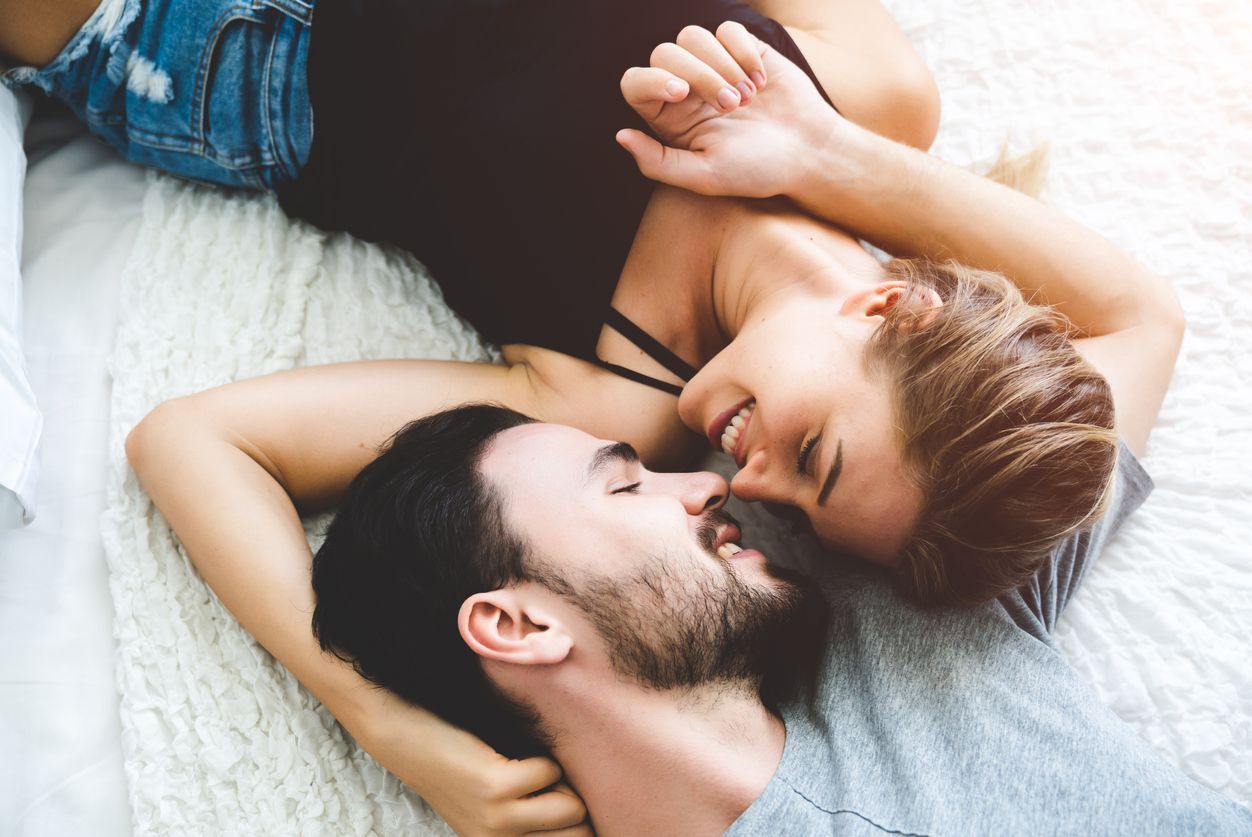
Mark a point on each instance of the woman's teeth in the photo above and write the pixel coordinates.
(730, 435)
(726, 550)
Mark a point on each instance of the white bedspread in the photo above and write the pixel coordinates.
(60, 750)
(1147, 108)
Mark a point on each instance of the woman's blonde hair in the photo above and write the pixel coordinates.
(1004, 427)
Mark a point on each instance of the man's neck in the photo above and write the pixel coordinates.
(648, 762)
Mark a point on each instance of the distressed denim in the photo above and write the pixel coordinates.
(210, 90)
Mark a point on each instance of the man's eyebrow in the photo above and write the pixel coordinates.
(832, 476)
(607, 455)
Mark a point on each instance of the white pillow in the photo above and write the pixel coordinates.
(20, 421)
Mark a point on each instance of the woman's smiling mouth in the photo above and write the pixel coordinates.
(729, 429)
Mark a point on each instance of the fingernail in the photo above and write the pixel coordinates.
(745, 90)
(728, 98)
(758, 78)
(674, 87)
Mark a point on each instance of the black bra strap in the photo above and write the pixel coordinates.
(649, 345)
(640, 378)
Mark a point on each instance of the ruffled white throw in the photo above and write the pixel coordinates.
(1147, 108)
(218, 738)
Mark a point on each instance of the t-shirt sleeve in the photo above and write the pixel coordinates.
(1036, 605)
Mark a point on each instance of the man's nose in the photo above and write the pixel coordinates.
(699, 491)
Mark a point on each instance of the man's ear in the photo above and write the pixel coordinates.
(512, 627)
(878, 300)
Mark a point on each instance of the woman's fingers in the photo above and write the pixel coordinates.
(668, 165)
(746, 49)
(648, 89)
(724, 70)
(707, 83)
(705, 46)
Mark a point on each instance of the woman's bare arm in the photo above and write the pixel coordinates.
(909, 203)
(783, 142)
(865, 63)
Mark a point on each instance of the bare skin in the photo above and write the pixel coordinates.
(34, 31)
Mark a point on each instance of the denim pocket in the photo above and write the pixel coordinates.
(194, 87)
(196, 91)
(233, 101)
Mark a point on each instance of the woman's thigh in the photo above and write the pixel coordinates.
(212, 90)
(34, 31)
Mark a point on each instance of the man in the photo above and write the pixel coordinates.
(541, 588)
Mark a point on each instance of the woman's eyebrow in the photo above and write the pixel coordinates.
(607, 455)
(832, 476)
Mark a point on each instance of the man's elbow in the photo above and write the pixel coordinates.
(154, 438)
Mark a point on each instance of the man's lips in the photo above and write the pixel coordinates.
(728, 534)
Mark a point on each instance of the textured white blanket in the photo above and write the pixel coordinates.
(1147, 108)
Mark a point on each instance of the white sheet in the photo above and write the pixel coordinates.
(61, 768)
(20, 422)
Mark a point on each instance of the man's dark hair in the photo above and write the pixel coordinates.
(420, 531)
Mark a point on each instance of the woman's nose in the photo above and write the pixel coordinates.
(752, 482)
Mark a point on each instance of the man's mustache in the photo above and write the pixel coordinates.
(713, 522)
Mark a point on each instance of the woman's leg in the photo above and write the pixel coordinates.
(867, 66)
(210, 90)
(34, 31)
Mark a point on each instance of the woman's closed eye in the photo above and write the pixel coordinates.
(633, 488)
(806, 452)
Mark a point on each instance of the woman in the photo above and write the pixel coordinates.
(922, 415)
(475, 135)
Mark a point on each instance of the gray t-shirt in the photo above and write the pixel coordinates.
(963, 722)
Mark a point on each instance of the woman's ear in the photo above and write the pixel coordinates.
(880, 299)
(513, 626)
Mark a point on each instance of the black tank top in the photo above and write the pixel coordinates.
(479, 135)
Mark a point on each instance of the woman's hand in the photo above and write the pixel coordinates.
(733, 116)
(477, 790)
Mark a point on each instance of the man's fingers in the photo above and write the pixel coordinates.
(530, 776)
(583, 830)
(707, 83)
(548, 811)
(745, 49)
(648, 89)
(676, 167)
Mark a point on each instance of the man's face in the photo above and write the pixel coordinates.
(649, 558)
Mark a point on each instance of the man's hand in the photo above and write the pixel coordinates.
(732, 115)
(478, 791)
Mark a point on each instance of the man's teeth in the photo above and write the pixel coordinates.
(726, 550)
(730, 435)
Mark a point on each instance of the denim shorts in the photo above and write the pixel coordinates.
(211, 90)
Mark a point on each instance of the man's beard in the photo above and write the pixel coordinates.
(679, 623)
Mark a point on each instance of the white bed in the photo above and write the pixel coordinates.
(61, 770)
(1148, 109)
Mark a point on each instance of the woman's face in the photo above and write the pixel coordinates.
(790, 401)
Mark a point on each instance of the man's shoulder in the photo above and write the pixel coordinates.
(783, 807)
